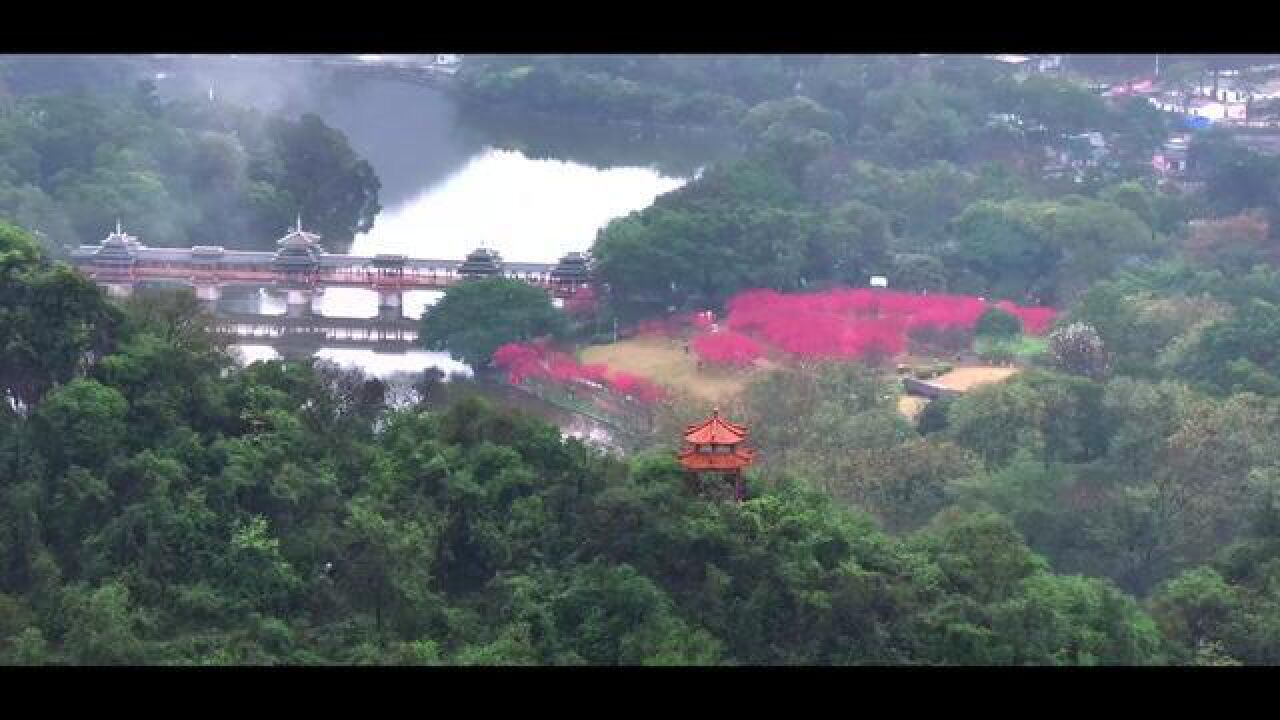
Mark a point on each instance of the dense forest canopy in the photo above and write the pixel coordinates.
(1117, 501)
(932, 170)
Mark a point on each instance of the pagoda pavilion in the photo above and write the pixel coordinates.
(715, 446)
(298, 257)
(572, 272)
(481, 263)
(118, 253)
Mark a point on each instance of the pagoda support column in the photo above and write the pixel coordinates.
(119, 290)
(390, 302)
(209, 295)
(298, 303)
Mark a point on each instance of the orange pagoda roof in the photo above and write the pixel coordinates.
(715, 431)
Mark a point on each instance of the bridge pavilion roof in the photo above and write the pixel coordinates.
(572, 266)
(298, 248)
(118, 248)
(299, 238)
(482, 261)
(120, 239)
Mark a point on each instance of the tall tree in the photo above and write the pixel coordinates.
(475, 318)
(52, 319)
(336, 190)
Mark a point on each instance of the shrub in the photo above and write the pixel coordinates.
(998, 323)
(928, 339)
(933, 418)
(1078, 349)
(997, 352)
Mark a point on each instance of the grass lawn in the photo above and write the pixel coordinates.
(664, 361)
(1023, 347)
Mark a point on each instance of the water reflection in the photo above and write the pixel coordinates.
(528, 210)
(671, 152)
(381, 365)
(332, 302)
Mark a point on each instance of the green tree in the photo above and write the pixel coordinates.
(918, 273)
(475, 318)
(80, 423)
(1195, 609)
(851, 246)
(336, 190)
(793, 132)
(104, 627)
(1000, 250)
(1077, 349)
(997, 323)
(996, 421)
(51, 319)
(1237, 353)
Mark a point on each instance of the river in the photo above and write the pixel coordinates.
(530, 188)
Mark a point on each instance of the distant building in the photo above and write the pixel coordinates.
(1018, 60)
(1008, 120)
(1049, 63)
(1216, 111)
(1029, 63)
(1171, 161)
(1140, 86)
(1084, 150)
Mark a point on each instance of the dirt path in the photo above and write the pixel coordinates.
(967, 378)
(962, 379)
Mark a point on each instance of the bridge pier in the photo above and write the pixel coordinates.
(293, 353)
(389, 304)
(209, 295)
(119, 290)
(298, 303)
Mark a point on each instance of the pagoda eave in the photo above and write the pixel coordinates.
(698, 462)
